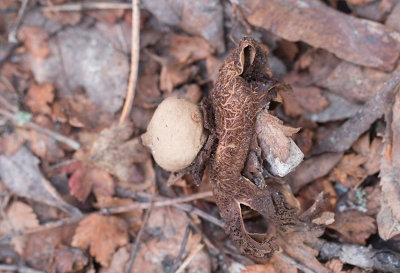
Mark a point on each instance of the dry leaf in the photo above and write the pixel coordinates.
(39, 97)
(310, 98)
(35, 40)
(374, 45)
(277, 147)
(102, 235)
(20, 173)
(118, 262)
(168, 225)
(21, 216)
(349, 171)
(188, 49)
(133, 218)
(74, 63)
(203, 17)
(115, 152)
(354, 226)
(68, 259)
(335, 265)
(86, 179)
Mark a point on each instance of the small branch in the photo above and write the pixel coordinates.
(190, 258)
(86, 6)
(292, 261)
(200, 213)
(47, 226)
(181, 250)
(136, 245)
(135, 51)
(60, 138)
(12, 35)
(163, 203)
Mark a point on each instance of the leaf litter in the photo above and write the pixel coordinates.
(66, 210)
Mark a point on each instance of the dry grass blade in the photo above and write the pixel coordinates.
(135, 51)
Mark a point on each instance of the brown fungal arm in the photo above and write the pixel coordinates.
(243, 88)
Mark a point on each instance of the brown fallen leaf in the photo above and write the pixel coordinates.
(354, 226)
(203, 17)
(40, 247)
(35, 40)
(20, 173)
(167, 226)
(373, 45)
(275, 265)
(71, 70)
(335, 265)
(118, 261)
(372, 150)
(173, 74)
(68, 259)
(85, 179)
(310, 98)
(188, 49)
(102, 235)
(133, 218)
(349, 171)
(278, 149)
(114, 151)
(39, 97)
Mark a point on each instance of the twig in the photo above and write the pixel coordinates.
(87, 6)
(71, 143)
(207, 241)
(12, 35)
(47, 226)
(136, 245)
(135, 51)
(162, 203)
(181, 250)
(200, 213)
(190, 258)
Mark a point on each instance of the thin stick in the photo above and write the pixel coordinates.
(135, 51)
(87, 6)
(190, 258)
(136, 245)
(181, 250)
(47, 226)
(60, 138)
(12, 35)
(200, 213)
(163, 203)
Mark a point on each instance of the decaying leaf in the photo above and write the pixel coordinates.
(39, 96)
(167, 226)
(118, 261)
(102, 235)
(35, 40)
(86, 179)
(373, 45)
(349, 171)
(115, 152)
(278, 149)
(354, 226)
(68, 259)
(20, 173)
